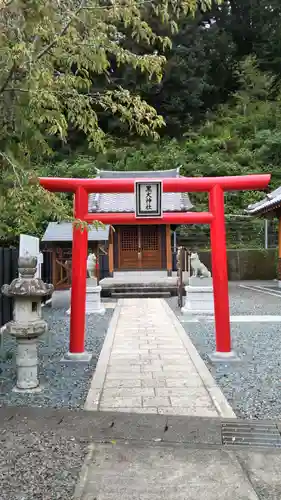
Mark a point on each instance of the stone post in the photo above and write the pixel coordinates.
(27, 324)
(199, 300)
(93, 298)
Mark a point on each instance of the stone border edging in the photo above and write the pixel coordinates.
(219, 400)
(95, 391)
(83, 476)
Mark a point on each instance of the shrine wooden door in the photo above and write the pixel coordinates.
(128, 247)
(150, 247)
(139, 247)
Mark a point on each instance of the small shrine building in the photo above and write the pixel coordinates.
(270, 207)
(139, 247)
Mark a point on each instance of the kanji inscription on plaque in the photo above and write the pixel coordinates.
(148, 197)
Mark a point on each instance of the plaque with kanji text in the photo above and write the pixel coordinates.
(148, 197)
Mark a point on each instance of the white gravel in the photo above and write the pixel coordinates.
(253, 385)
(39, 465)
(64, 384)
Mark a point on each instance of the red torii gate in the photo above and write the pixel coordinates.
(215, 186)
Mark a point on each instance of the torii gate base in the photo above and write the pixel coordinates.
(215, 186)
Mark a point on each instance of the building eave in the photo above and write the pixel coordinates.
(265, 208)
(270, 203)
(61, 232)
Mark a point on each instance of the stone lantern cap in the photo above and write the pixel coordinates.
(27, 285)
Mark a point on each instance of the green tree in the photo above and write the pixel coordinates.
(254, 27)
(243, 137)
(51, 53)
(197, 74)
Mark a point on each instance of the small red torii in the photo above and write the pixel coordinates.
(215, 186)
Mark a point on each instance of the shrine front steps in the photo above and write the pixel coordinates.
(132, 284)
(141, 292)
(137, 290)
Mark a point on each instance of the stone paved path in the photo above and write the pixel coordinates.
(149, 365)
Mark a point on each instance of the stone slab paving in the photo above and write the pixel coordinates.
(149, 365)
(162, 473)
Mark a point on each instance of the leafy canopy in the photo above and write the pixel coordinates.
(52, 55)
(242, 137)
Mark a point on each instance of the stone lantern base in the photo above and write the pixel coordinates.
(26, 335)
(199, 300)
(27, 365)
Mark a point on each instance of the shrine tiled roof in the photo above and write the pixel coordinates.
(125, 202)
(271, 202)
(62, 231)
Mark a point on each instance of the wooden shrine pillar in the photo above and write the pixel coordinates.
(97, 254)
(110, 253)
(279, 250)
(54, 264)
(169, 250)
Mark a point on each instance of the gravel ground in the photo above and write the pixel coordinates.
(253, 385)
(38, 465)
(250, 302)
(63, 384)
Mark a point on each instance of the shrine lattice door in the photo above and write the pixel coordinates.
(139, 247)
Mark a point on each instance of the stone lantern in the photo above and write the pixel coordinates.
(27, 325)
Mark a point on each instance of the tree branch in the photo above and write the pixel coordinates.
(48, 47)
(9, 76)
(7, 4)
(9, 161)
(62, 32)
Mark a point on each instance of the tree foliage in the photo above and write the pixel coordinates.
(242, 137)
(201, 69)
(52, 57)
(82, 82)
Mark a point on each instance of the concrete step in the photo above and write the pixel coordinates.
(140, 288)
(140, 294)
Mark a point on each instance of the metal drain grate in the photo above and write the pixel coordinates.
(243, 433)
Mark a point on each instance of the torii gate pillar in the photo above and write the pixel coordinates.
(220, 276)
